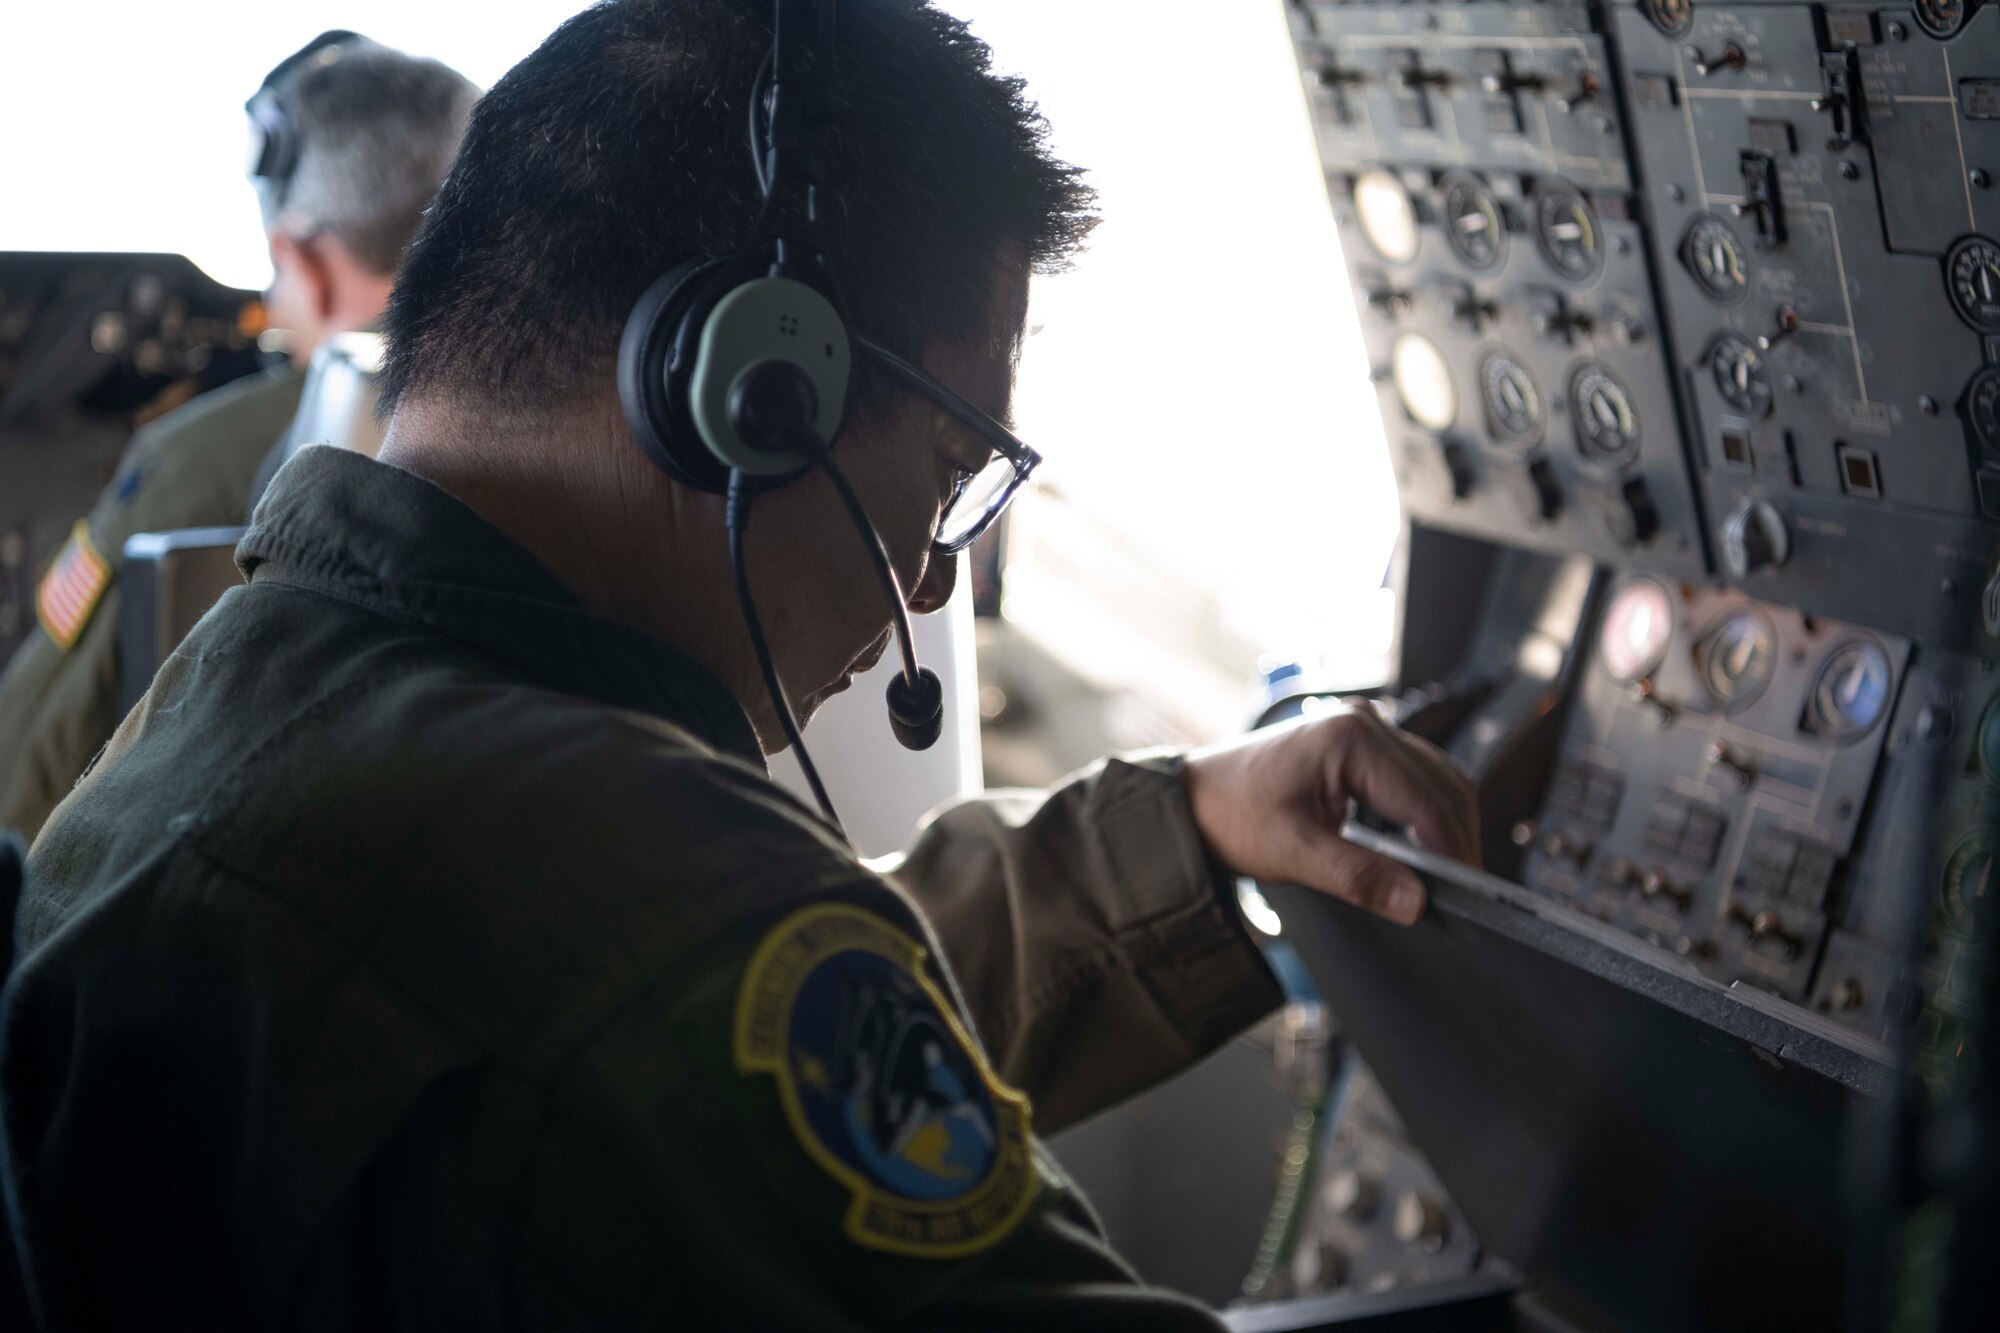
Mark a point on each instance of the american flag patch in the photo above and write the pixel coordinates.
(69, 592)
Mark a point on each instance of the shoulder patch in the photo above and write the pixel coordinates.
(883, 1087)
(71, 589)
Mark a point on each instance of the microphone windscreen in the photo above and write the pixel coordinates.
(916, 711)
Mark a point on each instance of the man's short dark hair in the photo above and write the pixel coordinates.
(620, 148)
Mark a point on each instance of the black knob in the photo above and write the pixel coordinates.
(772, 406)
(1458, 463)
(1536, 491)
(1468, 311)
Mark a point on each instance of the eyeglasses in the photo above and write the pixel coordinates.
(978, 497)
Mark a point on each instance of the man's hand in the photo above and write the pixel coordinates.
(1271, 805)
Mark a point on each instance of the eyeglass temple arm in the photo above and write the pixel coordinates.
(1010, 445)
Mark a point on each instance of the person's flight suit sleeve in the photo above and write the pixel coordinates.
(677, 1183)
(1097, 946)
(191, 468)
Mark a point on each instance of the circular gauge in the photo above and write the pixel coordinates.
(1982, 408)
(1852, 691)
(1739, 375)
(1968, 877)
(1672, 17)
(1514, 411)
(1566, 230)
(1607, 426)
(1989, 742)
(1423, 382)
(1941, 18)
(1472, 221)
(1636, 630)
(1715, 257)
(1972, 270)
(1739, 658)
(1388, 217)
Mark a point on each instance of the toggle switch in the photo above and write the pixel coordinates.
(1784, 325)
(1722, 759)
(1708, 67)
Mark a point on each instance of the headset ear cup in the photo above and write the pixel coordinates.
(653, 380)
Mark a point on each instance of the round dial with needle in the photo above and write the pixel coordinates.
(1852, 691)
(1472, 221)
(1972, 271)
(1607, 425)
(1715, 257)
(1567, 230)
(1739, 374)
(1739, 659)
(1514, 411)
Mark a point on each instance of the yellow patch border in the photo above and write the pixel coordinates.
(66, 630)
(771, 983)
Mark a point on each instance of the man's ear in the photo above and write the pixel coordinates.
(303, 262)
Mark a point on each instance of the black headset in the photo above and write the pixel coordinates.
(734, 371)
(276, 144)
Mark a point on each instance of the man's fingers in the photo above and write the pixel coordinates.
(1463, 795)
(1365, 879)
(1410, 786)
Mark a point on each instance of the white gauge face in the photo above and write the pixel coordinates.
(1636, 630)
(1423, 382)
(1388, 218)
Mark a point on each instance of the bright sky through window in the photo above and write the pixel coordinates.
(1197, 383)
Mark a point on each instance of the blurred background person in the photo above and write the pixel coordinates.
(349, 141)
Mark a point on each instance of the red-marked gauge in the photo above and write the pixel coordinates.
(1672, 17)
(1941, 18)
(1423, 381)
(1636, 630)
(1972, 273)
(1738, 659)
(1387, 216)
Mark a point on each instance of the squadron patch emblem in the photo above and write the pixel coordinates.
(70, 591)
(884, 1089)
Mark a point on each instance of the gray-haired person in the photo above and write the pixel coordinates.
(350, 139)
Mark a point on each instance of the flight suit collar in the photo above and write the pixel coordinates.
(336, 522)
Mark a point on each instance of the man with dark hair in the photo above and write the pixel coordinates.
(431, 948)
(353, 138)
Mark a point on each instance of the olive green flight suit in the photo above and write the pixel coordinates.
(426, 951)
(192, 468)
